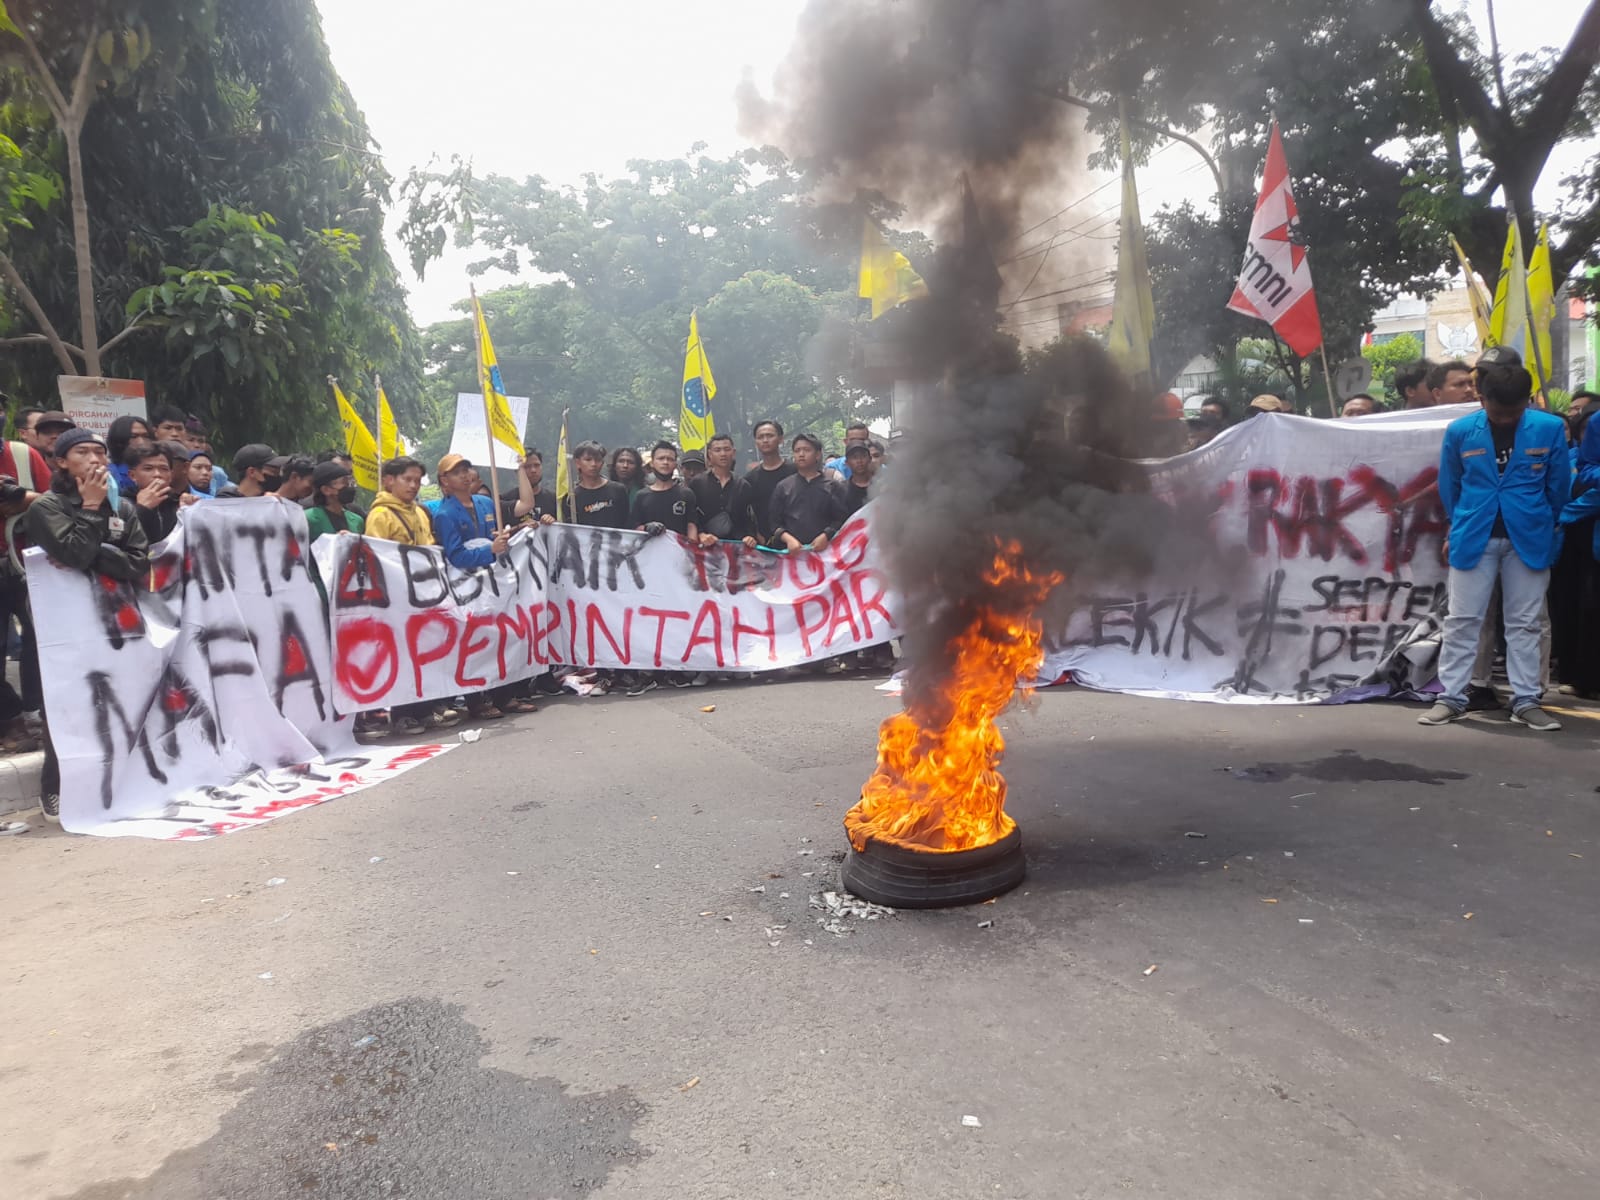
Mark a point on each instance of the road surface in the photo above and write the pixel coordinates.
(1376, 974)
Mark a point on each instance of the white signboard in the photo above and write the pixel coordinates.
(471, 436)
(93, 403)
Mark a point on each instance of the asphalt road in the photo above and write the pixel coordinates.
(515, 1001)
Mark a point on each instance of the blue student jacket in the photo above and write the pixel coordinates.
(454, 525)
(1529, 495)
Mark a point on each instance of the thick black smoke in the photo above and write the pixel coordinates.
(905, 98)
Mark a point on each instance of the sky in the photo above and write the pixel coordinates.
(559, 90)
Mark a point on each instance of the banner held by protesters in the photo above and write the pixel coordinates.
(206, 695)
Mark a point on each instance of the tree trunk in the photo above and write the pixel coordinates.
(89, 338)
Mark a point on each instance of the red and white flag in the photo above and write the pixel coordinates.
(1275, 281)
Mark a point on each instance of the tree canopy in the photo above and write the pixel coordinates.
(1396, 130)
(626, 261)
(234, 203)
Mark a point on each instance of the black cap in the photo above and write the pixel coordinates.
(254, 455)
(55, 420)
(858, 450)
(1499, 356)
(329, 472)
(693, 456)
(76, 437)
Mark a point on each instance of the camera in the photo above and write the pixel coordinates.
(11, 492)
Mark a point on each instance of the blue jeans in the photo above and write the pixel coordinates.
(1522, 593)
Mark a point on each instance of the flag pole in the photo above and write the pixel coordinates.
(377, 414)
(1533, 332)
(478, 326)
(1327, 377)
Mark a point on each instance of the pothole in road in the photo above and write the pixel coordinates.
(392, 1102)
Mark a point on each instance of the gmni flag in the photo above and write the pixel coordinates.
(696, 424)
(1275, 281)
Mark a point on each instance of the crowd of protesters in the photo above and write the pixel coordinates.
(1513, 479)
(98, 503)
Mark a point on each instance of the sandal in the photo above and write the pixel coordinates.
(519, 705)
(487, 712)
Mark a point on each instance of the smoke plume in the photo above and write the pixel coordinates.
(904, 99)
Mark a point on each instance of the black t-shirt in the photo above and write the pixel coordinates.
(673, 507)
(1505, 437)
(724, 512)
(852, 497)
(804, 508)
(605, 506)
(544, 504)
(762, 484)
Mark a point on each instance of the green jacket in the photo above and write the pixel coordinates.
(82, 538)
(320, 522)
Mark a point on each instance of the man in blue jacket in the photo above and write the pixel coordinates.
(1504, 475)
(463, 524)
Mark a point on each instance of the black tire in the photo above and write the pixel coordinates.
(901, 878)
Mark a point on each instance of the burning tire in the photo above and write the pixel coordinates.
(902, 878)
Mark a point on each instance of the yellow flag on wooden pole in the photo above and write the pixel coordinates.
(358, 441)
(388, 431)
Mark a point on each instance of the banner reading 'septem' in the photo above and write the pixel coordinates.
(407, 626)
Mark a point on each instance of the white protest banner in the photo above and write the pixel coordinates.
(161, 696)
(93, 403)
(407, 626)
(1327, 544)
(471, 436)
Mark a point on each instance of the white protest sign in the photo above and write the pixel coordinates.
(93, 403)
(408, 627)
(471, 436)
(1327, 544)
(213, 671)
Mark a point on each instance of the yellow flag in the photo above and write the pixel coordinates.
(496, 409)
(388, 431)
(1475, 294)
(1508, 323)
(563, 471)
(696, 422)
(885, 276)
(1133, 312)
(1541, 308)
(357, 441)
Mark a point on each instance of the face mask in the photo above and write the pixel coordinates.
(347, 495)
(667, 478)
(271, 485)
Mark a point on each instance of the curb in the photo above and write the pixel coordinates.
(19, 781)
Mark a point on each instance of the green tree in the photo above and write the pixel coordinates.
(1376, 101)
(1386, 358)
(246, 167)
(630, 259)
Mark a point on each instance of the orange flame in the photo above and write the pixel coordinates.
(938, 785)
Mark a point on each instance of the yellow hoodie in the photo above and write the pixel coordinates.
(393, 520)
